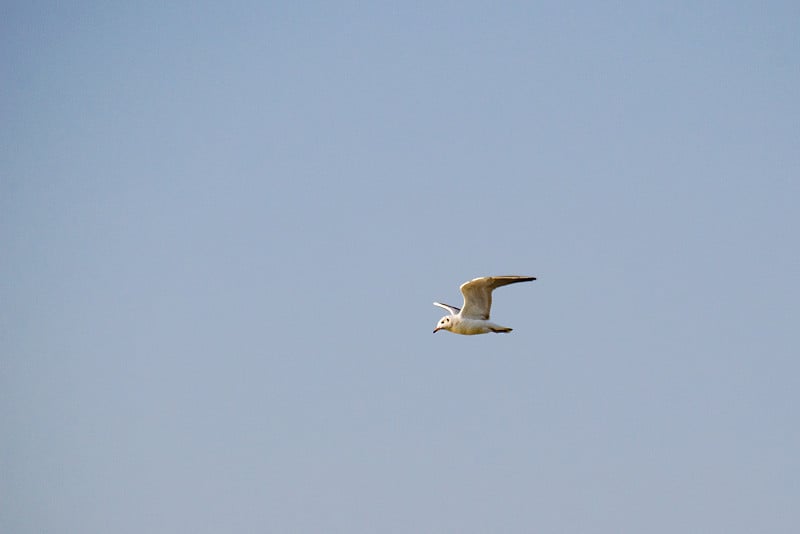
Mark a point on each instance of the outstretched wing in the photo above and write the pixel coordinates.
(452, 309)
(478, 294)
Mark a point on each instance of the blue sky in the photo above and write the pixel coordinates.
(222, 228)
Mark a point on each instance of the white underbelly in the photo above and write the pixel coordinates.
(471, 327)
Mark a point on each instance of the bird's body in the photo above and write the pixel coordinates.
(471, 327)
(473, 318)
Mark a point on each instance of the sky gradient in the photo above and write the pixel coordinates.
(222, 228)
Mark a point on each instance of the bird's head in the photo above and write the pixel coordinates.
(445, 323)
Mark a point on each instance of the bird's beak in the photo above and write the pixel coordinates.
(435, 329)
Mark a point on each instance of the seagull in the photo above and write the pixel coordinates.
(473, 318)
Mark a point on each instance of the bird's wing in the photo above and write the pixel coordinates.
(452, 309)
(478, 294)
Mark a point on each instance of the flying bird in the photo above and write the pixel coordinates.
(473, 318)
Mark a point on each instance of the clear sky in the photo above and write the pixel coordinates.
(222, 228)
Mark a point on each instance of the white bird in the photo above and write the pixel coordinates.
(473, 318)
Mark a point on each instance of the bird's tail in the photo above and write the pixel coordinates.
(501, 330)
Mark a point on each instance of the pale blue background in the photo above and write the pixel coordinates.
(222, 228)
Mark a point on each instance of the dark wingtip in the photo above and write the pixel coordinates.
(501, 330)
